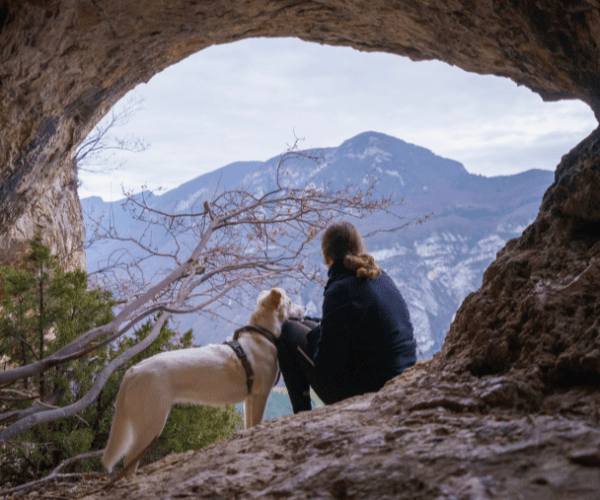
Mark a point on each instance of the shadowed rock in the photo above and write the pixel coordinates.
(425, 435)
(537, 314)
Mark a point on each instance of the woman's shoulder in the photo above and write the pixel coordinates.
(341, 287)
(340, 284)
(384, 289)
(384, 278)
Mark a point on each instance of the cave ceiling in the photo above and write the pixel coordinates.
(65, 63)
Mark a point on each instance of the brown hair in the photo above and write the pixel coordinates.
(341, 240)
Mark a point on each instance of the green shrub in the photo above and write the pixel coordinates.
(43, 308)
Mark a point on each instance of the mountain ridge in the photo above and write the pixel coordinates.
(435, 264)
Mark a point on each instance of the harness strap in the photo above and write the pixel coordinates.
(237, 348)
(240, 353)
(255, 328)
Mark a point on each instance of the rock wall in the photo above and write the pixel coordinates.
(537, 314)
(64, 63)
(57, 216)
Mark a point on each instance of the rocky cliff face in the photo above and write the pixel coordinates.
(537, 312)
(509, 407)
(57, 216)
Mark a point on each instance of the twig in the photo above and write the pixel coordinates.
(55, 475)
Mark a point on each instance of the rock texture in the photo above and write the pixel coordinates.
(509, 408)
(537, 314)
(57, 216)
(64, 63)
(426, 435)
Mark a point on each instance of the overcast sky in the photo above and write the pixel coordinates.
(245, 101)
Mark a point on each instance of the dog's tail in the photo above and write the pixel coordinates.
(121, 431)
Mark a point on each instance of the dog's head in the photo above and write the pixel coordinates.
(274, 304)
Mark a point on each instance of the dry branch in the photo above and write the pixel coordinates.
(241, 241)
(24, 488)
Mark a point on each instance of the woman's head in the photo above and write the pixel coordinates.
(341, 240)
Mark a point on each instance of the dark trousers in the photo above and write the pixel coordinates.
(298, 373)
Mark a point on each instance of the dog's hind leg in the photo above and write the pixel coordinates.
(254, 409)
(120, 431)
(149, 423)
(143, 404)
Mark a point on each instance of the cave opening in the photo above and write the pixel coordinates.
(244, 102)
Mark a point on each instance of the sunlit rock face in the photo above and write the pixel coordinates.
(57, 217)
(64, 63)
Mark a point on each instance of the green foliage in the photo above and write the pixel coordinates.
(192, 427)
(43, 308)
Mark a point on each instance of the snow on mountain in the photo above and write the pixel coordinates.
(435, 265)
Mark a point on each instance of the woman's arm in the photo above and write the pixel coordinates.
(331, 340)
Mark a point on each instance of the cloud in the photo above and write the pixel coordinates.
(244, 101)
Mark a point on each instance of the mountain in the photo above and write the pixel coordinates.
(435, 265)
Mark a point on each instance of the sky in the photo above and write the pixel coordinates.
(249, 99)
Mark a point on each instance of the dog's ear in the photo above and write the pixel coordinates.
(274, 298)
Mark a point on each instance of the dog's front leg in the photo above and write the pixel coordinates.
(254, 409)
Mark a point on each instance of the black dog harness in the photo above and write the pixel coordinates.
(240, 353)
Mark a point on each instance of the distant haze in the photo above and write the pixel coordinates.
(245, 101)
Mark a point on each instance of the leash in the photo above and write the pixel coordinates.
(241, 354)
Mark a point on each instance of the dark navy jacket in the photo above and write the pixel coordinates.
(365, 337)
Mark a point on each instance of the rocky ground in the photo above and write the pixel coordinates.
(426, 435)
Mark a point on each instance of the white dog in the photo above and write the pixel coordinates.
(211, 375)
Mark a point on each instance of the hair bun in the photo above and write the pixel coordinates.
(364, 265)
(341, 240)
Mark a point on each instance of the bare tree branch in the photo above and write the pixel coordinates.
(91, 155)
(239, 242)
(24, 488)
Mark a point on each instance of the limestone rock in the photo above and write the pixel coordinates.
(57, 216)
(537, 313)
(64, 63)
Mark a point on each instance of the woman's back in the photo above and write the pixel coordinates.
(366, 336)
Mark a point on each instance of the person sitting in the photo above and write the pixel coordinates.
(365, 337)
